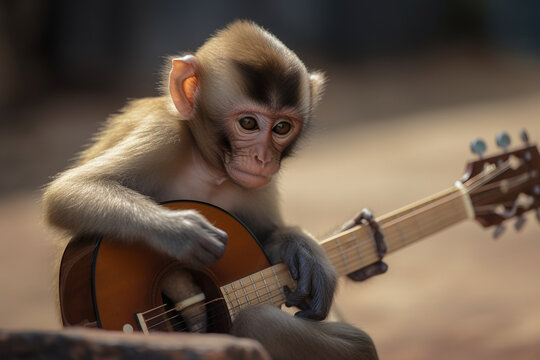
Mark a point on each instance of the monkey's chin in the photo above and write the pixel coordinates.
(248, 180)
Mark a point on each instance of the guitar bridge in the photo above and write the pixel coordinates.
(179, 306)
(141, 322)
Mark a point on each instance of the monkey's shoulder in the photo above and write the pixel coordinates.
(140, 114)
(138, 119)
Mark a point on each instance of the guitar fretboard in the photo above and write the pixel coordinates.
(355, 248)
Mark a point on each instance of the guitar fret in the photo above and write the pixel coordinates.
(245, 292)
(342, 253)
(256, 289)
(235, 294)
(267, 288)
(229, 300)
(372, 238)
(277, 278)
(353, 238)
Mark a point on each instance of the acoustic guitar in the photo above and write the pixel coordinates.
(109, 284)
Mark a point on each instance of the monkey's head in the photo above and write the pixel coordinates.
(246, 98)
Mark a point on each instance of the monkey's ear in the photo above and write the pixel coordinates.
(183, 83)
(317, 82)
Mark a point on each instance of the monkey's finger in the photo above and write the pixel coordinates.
(318, 309)
(292, 263)
(293, 298)
(205, 257)
(217, 232)
(302, 291)
(304, 304)
(306, 314)
(221, 235)
(289, 255)
(310, 314)
(369, 271)
(214, 245)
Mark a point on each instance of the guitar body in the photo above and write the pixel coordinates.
(105, 282)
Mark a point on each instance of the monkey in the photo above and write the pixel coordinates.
(228, 116)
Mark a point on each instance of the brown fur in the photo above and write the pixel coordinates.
(149, 152)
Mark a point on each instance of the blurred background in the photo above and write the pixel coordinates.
(411, 82)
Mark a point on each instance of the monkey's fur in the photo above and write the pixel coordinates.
(228, 116)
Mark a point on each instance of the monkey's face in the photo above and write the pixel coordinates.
(246, 98)
(258, 140)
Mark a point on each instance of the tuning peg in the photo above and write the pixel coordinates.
(503, 141)
(524, 136)
(519, 223)
(478, 147)
(498, 231)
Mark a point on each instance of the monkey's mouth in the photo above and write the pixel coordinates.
(248, 179)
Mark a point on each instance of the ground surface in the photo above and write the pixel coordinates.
(458, 294)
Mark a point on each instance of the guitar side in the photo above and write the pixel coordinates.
(75, 283)
(106, 282)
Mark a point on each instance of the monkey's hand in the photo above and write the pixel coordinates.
(376, 268)
(189, 237)
(315, 275)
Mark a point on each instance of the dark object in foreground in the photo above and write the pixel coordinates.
(77, 343)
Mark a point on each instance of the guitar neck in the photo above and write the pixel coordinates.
(355, 248)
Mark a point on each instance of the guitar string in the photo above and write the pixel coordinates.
(478, 188)
(211, 320)
(221, 315)
(426, 224)
(254, 285)
(447, 198)
(503, 167)
(450, 197)
(234, 310)
(278, 293)
(178, 313)
(184, 322)
(173, 309)
(266, 297)
(244, 300)
(474, 185)
(218, 317)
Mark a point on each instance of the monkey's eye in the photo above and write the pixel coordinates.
(282, 128)
(248, 123)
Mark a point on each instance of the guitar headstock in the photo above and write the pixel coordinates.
(504, 186)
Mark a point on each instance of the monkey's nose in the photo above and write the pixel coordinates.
(262, 160)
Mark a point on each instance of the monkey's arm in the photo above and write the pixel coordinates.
(106, 195)
(308, 265)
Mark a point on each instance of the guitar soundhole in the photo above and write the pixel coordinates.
(216, 308)
(174, 321)
(208, 316)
